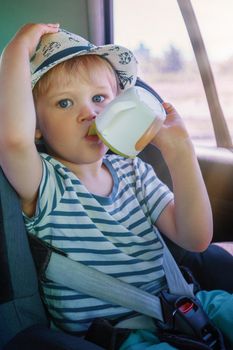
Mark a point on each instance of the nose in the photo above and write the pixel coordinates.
(87, 113)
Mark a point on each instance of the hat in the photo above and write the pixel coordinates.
(58, 47)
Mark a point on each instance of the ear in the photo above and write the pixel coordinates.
(38, 134)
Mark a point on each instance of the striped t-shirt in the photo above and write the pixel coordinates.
(113, 234)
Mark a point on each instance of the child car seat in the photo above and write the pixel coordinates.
(20, 304)
(23, 321)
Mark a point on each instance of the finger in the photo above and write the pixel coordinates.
(169, 108)
(53, 25)
(49, 28)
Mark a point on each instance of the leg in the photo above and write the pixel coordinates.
(219, 307)
(142, 340)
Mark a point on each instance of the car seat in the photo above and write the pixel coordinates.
(23, 321)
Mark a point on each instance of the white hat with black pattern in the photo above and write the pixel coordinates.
(61, 46)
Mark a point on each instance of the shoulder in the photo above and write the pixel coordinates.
(53, 167)
(54, 183)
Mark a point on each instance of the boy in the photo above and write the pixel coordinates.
(102, 210)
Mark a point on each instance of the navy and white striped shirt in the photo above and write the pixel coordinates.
(114, 234)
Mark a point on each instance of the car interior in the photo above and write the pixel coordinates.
(23, 319)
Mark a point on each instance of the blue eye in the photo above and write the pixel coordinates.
(98, 98)
(66, 103)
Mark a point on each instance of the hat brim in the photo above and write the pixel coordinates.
(121, 59)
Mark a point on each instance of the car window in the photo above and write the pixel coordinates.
(156, 33)
(215, 21)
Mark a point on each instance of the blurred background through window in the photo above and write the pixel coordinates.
(156, 33)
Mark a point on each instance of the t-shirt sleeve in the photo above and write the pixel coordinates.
(51, 190)
(156, 195)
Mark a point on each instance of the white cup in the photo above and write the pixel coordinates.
(130, 121)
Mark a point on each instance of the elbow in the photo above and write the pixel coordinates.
(201, 244)
(202, 235)
(201, 247)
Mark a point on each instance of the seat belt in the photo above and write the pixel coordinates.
(90, 281)
(178, 315)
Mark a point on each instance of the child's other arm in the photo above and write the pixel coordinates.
(187, 220)
(18, 155)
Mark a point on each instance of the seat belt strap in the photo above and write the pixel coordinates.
(180, 318)
(97, 284)
(175, 280)
(90, 281)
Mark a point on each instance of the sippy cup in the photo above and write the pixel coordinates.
(129, 122)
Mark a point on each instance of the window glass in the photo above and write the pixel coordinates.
(215, 21)
(156, 33)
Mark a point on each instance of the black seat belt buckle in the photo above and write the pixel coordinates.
(185, 319)
(41, 252)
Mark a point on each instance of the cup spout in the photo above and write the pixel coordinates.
(92, 130)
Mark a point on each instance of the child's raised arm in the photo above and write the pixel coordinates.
(187, 220)
(18, 155)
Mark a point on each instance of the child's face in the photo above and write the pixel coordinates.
(65, 113)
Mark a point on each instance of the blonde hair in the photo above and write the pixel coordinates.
(89, 67)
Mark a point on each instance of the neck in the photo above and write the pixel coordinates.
(97, 179)
(95, 176)
(83, 171)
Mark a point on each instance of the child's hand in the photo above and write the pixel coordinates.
(29, 35)
(172, 136)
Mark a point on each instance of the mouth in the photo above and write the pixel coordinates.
(92, 138)
(91, 135)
